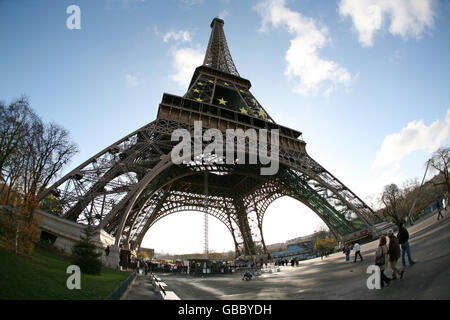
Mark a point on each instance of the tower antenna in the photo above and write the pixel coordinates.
(409, 217)
(205, 221)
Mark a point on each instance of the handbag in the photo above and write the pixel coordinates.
(379, 261)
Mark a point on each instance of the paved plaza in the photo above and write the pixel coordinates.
(330, 278)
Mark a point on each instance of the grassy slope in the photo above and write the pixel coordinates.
(43, 276)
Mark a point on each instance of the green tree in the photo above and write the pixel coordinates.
(325, 245)
(84, 253)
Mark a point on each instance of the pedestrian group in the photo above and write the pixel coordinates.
(389, 254)
(390, 249)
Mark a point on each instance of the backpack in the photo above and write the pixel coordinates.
(380, 261)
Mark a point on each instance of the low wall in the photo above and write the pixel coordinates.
(68, 233)
(123, 287)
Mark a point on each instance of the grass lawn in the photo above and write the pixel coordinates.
(43, 276)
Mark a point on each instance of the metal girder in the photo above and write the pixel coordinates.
(304, 180)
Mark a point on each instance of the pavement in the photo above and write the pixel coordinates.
(330, 278)
(141, 289)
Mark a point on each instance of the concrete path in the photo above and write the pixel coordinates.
(141, 289)
(335, 278)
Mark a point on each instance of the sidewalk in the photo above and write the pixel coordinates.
(141, 289)
(335, 278)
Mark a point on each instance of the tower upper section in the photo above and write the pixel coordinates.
(218, 55)
(218, 83)
(219, 97)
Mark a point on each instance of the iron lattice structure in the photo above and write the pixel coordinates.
(132, 184)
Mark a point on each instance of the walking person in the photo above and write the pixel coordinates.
(357, 249)
(403, 237)
(439, 208)
(381, 260)
(394, 255)
(347, 252)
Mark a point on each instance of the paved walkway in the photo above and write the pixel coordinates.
(141, 289)
(332, 277)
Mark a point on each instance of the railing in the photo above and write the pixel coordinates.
(119, 291)
(160, 286)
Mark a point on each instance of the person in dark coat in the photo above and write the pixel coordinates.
(403, 237)
(394, 255)
(347, 252)
(439, 208)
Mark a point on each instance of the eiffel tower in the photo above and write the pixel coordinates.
(132, 184)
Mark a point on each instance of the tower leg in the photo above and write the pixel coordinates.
(244, 227)
(262, 239)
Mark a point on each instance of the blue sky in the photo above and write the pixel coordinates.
(366, 81)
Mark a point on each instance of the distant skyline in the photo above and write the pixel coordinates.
(365, 81)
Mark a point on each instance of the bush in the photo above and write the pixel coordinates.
(325, 245)
(84, 254)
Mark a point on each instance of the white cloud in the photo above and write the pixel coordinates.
(191, 3)
(185, 60)
(223, 14)
(415, 136)
(181, 35)
(303, 60)
(121, 3)
(408, 18)
(132, 80)
(375, 184)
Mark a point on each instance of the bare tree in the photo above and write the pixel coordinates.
(396, 207)
(440, 161)
(32, 154)
(15, 122)
(411, 194)
(49, 149)
(321, 232)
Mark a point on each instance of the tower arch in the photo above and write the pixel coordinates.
(149, 186)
